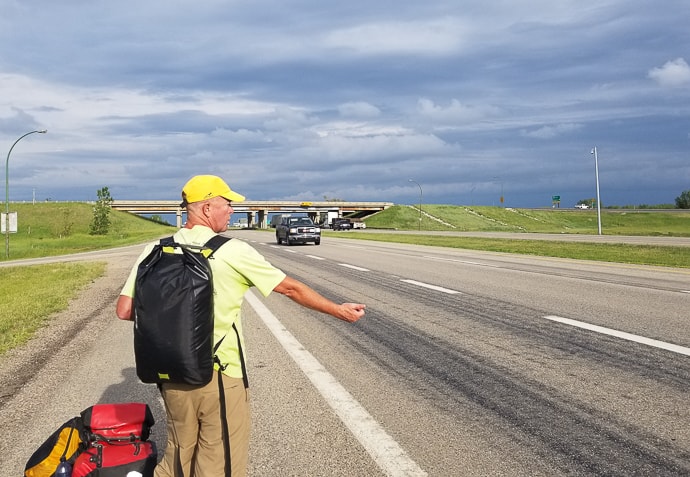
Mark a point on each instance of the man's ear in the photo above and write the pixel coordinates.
(206, 209)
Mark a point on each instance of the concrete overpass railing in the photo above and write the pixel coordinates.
(257, 210)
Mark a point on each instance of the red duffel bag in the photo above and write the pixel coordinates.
(117, 441)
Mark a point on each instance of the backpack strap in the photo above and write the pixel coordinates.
(214, 244)
(72, 427)
(209, 248)
(167, 244)
(223, 407)
(242, 363)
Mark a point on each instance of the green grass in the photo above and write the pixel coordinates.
(31, 294)
(499, 219)
(47, 229)
(622, 253)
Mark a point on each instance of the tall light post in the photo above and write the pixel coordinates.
(596, 175)
(420, 203)
(501, 199)
(7, 191)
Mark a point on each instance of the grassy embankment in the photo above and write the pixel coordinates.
(32, 294)
(498, 219)
(47, 229)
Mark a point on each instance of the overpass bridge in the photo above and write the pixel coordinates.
(257, 211)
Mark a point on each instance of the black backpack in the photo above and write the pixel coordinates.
(173, 313)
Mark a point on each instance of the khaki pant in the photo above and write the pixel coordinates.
(195, 439)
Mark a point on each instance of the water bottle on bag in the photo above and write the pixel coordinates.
(64, 469)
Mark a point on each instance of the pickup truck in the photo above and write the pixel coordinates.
(293, 230)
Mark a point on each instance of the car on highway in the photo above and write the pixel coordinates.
(358, 224)
(342, 224)
(292, 230)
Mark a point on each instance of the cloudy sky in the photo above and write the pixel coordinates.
(312, 99)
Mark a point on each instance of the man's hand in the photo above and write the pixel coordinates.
(351, 312)
(124, 309)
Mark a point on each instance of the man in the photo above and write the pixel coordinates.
(195, 442)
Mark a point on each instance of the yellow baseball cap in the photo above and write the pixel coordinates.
(204, 187)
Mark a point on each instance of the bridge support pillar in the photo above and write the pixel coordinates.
(178, 218)
(263, 219)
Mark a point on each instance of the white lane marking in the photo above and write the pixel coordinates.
(353, 246)
(432, 287)
(457, 260)
(622, 334)
(685, 291)
(315, 257)
(354, 267)
(387, 453)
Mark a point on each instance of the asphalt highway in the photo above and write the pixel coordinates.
(467, 363)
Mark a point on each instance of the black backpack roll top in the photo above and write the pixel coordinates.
(173, 313)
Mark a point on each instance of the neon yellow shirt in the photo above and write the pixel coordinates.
(236, 267)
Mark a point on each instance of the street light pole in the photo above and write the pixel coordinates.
(596, 175)
(420, 203)
(7, 191)
(501, 199)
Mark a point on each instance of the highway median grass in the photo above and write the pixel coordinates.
(434, 218)
(664, 256)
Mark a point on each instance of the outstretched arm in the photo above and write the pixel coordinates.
(307, 297)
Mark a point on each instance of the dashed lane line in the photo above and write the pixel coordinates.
(431, 287)
(354, 267)
(622, 335)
